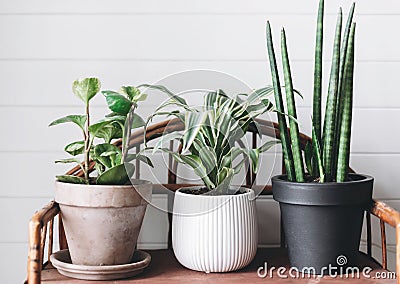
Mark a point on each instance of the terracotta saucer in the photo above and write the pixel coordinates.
(62, 261)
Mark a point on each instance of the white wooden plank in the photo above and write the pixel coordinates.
(368, 126)
(30, 174)
(154, 232)
(182, 37)
(49, 82)
(377, 254)
(383, 168)
(181, 6)
(14, 262)
(20, 210)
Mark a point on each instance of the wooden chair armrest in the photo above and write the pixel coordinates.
(390, 216)
(37, 240)
(385, 213)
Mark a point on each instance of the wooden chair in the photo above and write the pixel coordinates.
(41, 226)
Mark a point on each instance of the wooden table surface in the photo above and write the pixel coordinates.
(164, 268)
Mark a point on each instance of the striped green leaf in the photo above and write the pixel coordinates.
(287, 151)
(330, 113)
(291, 106)
(345, 129)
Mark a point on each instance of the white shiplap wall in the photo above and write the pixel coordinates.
(46, 44)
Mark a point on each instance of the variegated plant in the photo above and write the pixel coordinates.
(211, 134)
(112, 163)
(327, 159)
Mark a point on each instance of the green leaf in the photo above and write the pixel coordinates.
(166, 138)
(328, 136)
(318, 72)
(133, 93)
(118, 175)
(269, 144)
(208, 159)
(259, 94)
(69, 161)
(118, 103)
(86, 89)
(317, 153)
(95, 128)
(194, 121)
(137, 121)
(345, 129)
(75, 148)
(198, 168)
(79, 120)
(109, 133)
(107, 154)
(163, 89)
(291, 107)
(144, 159)
(285, 138)
(224, 179)
(308, 157)
(253, 154)
(71, 179)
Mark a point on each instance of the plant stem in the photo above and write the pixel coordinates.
(126, 133)
(291, 106)
(87, 143)
(345, 130)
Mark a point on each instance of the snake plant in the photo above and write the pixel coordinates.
(111, 163)
(211, 136)
(327, 157)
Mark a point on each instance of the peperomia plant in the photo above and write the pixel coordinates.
(327, 159)
(111, 163)
(212, 135)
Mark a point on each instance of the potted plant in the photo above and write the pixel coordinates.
(103, 214)
(322, 211)
(214, 226)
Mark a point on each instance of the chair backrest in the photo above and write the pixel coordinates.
(263, 128)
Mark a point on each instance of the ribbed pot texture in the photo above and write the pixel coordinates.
(214, 233)
(102, 222)
(323, 221)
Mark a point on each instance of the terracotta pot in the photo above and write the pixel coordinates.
(214, 233)
(323, 221)
(102, 222)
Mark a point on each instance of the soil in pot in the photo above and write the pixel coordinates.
(206, 191)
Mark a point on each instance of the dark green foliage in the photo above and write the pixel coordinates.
(327, 159)
(111, 163)
(287, 150)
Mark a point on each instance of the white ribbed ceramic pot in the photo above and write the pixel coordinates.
(214, 233)
(102, 222)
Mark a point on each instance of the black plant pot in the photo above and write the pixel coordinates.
(323, 221)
